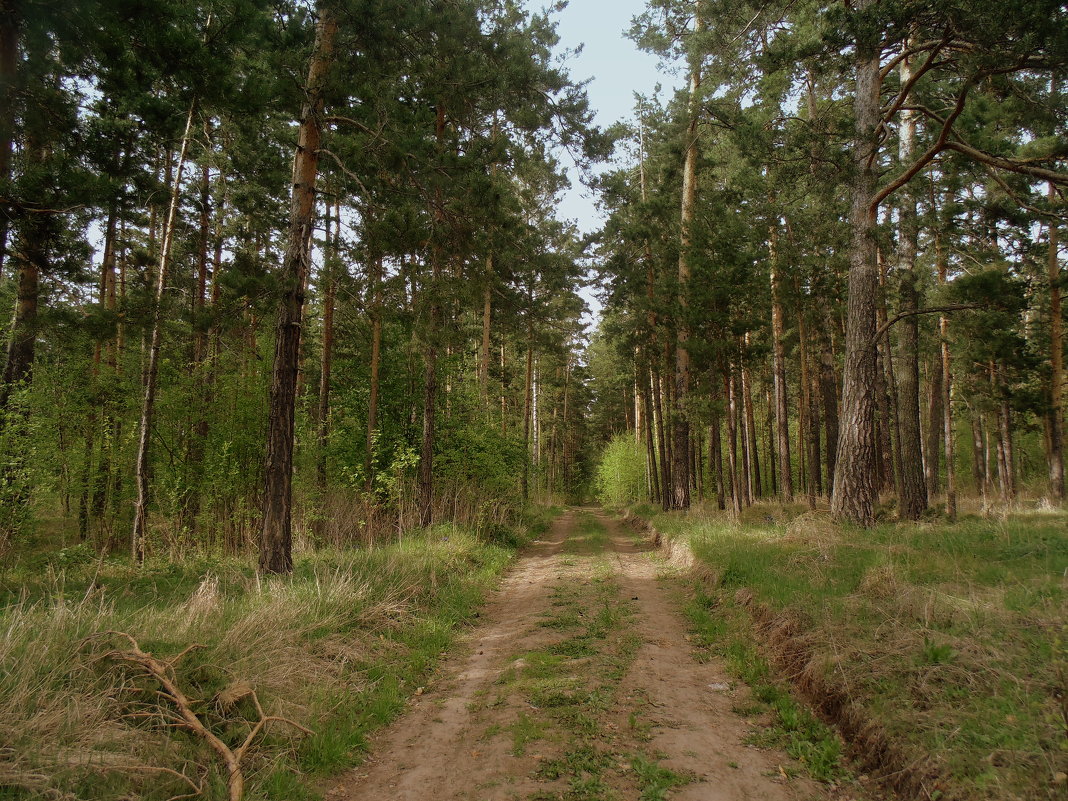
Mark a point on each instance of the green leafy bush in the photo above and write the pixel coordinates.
(620, 477)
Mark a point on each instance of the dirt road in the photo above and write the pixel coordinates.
(579, 684)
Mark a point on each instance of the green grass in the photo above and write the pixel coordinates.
(338, 647)
(953, 635)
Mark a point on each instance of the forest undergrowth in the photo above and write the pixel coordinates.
(301, 669)
(952, 637)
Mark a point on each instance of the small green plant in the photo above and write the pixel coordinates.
(936, 653)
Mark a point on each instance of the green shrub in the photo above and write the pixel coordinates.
(620, 477)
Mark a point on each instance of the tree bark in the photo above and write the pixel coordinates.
(947, 420)
(829, 393)
(650, 439)
(1006, 449)
(810, 431)
(661, 435)
(276, 534)
(148, 403)
(1056, 382)
(487, 319)
(715, 456)
(979, 474)
(756, 490)
(913, 499)
(10, 20)
(680, 494)
(332, 246)
(854, 481)
(732, 440)
(889, 432)
(778, 362)
(200, 396)
(375, 367)
(528, 398)
(932, 452)
(425, 489)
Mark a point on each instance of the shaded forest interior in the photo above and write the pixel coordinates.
(276, 273)
(300, 356)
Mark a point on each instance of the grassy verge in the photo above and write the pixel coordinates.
(337, 649)
(952, 636)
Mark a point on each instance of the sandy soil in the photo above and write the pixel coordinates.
(453, 742)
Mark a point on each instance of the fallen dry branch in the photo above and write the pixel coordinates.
(163, 673)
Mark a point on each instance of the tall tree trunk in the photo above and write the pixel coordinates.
(504, 399)
(947, 415)
(769, 425)
(889, 432)
(854, 480)
(425, 489)
(913, 499)
(1056, 381)
(750, 424)
(732, 440)
(86, 505)
(376, 359)
(932, 457)
(9, 45)
(650, 438)
(661, 435)
(197, 441)
(680, 488)
(810, 432)
(31, 260)
(332, 244)
(829, 393)
(528, 402)
(715, 456)
(110, 421)
(979, 474)
(276, 535)
(487, 319)
(778, 369)
(148, 402)
(1006, 448)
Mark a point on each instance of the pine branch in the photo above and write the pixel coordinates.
(913, 312)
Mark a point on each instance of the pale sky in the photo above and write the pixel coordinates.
(618, 69)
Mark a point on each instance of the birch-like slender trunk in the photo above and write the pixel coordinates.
(148, 402)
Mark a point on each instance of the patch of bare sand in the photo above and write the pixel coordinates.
(688, 703)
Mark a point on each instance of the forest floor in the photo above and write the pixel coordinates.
(582, 681)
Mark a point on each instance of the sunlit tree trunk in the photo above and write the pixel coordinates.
(912, 500)
(854, 494)
(680, 492)
(778, 361)
(276, 534)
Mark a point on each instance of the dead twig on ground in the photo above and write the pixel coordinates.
(163, 673)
